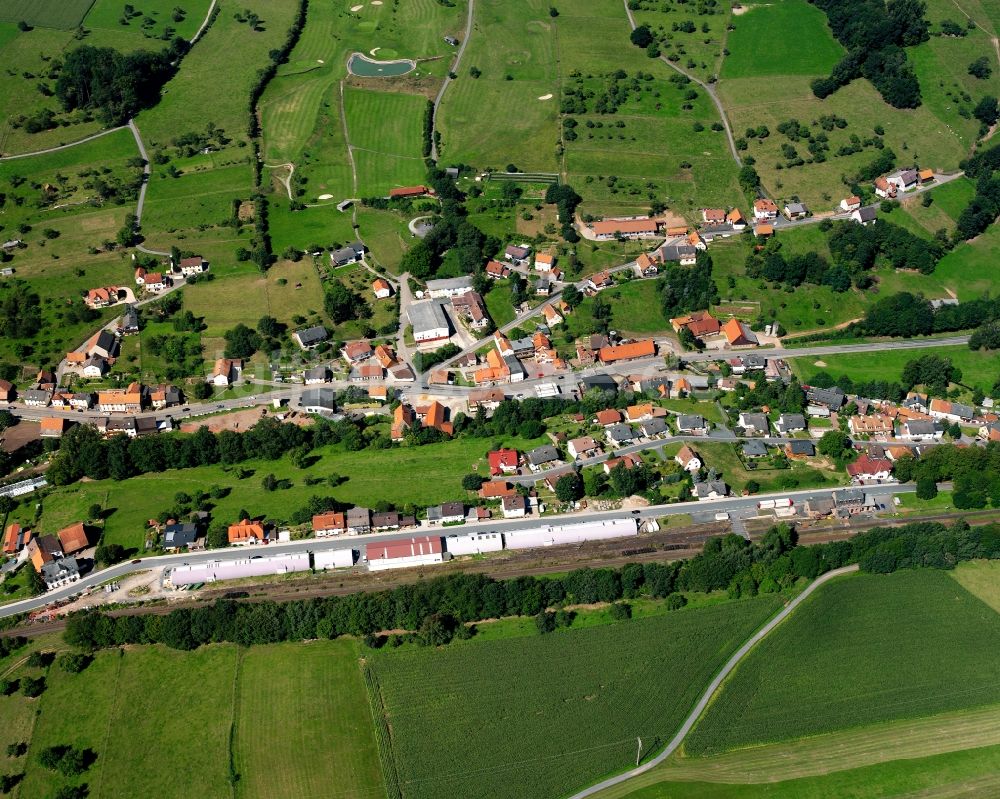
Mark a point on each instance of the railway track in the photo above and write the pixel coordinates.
(663, 546)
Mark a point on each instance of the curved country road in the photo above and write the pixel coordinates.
(447, 78)
(709, 90)
(699, 708)
(63, 146)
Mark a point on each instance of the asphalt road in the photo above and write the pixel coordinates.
(706, 697)
(729, 505)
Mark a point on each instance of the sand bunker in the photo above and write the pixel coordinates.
(376, 2)
(373, 51)
(545, 97)
(356, 8)
(320, 61)
(325, 197)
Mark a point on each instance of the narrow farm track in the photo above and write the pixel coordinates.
(447, 78)
(713, 686)
(205, 22)
(48, 150)
(709, 90)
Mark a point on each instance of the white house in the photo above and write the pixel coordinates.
(514, 507)
(582, 447)
(688, 459)
(852, 203)
(417, 551)
(865, 216)
(714, 489)
(764, 210)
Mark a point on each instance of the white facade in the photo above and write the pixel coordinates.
(333, 559)
(236, 569)
(474, 543)
(556, 534)
(408, 562)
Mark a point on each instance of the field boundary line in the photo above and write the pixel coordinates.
(48, 150)
(234, 775)
(383, 738)
(111, 720)
(205, 23)
(713, 686)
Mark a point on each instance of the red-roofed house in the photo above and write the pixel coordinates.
(502, 461)
(246, 532)
(867, 469)
(73, 538)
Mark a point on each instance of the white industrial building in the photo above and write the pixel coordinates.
(449, 286)
(474, 543)
(429, 321)
(333, 559)
(557, 534)
(236, 569)
(402, 554)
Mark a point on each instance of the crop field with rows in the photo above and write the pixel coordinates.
(543, 715)
(863, 650)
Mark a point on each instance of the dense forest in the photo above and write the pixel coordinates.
(875, 33)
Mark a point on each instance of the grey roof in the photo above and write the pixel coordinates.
(322, 398)
(906, 175)
(921, 427)
(450, 283)
(833, 398)
(311, 335)
(796, 208)
(754, 448)
(60, 569)
(753, 362)
(517, 252)
(962, 411)
(675, 252)
(37, 395)
(130, 319)
(791, 421)
(603, 382)
(654, 427)
(145, 424)
(801, 447)
(654, 383)
(118, 424)
(543, 454)
(849, 496)
(347, 254)
(317, 373)
(691, 422)
(452, 509)
(515, 366)
(358, 517)
(179, 535)
(867, 214)
(620, 432)
(522, 345)
(387, 519)
(106, 340)
(758, 421)
(706, 488)
(426, 316)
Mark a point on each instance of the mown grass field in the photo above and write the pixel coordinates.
(64, 14)
(571, 720)
(980, 368)
(373, 476)
(760, 43)
(319, 741)
(386, 131)
(635, 310)
(863, 650)
(513, 44)
(106, 16)
(159, 722)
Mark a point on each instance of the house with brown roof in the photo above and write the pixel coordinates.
(51, 427)
(700, 323)
(738, 334)
(628, 461)
(640, 228)
(763, 231)
(608, 417)
(496, 490)
(497, 270)
(434, 415)
(72, 539)
(194, 265)
(884, 189)
(852, 203)
(736, 219)
(403, 418)
(7, 391)
(246, 533)
(544, 261)
(357, 351)
(626, 352)
(688, 459)
(119, 400)
(874, 425)
(764, 210)
(403, 192)
(582, 447)
(226, 372)
(713, 216)
(599, 280)
(328, 524)
(551, 315)
(382, 289)
(867, 469)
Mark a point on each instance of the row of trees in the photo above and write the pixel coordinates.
(906, 314)
(443, 605)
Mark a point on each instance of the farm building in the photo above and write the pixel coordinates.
(429, 321)
(474, 543)
(237, 569)
(417, 551)
(333, 559)
(556, 534)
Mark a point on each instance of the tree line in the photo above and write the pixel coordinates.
(439, 609)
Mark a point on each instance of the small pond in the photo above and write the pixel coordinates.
(365, 67)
